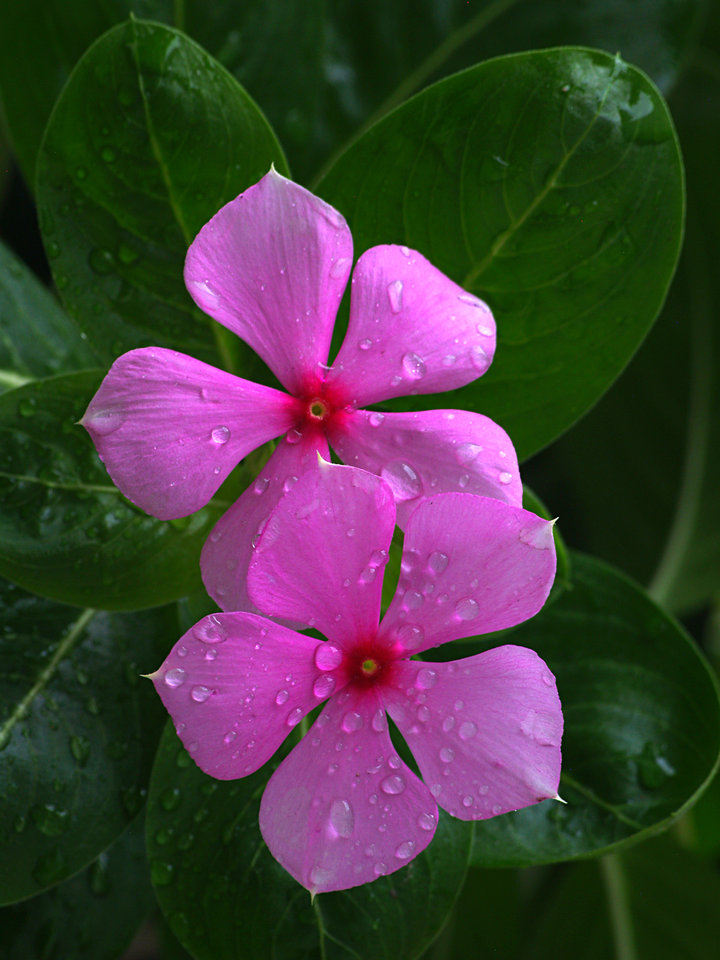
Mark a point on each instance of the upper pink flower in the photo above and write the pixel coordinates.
(272, 266)
(343, 808)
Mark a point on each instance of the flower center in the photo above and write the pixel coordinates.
(370, 667)
(317, 409)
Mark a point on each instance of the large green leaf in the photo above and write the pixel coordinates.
(148, 139)
(551, 185)
(37, 338)
(92, 916)
(65, 531)
(226, 898)
(642, 723)
(655, 901)
(78, 729)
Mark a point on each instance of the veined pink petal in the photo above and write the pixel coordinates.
(227, 552)
(272, 266)
(485, 731)
(411, 330)
(235, 685)
(470, 565)
(430, 452)
(321, 556)
(343, 809)
(170, 428)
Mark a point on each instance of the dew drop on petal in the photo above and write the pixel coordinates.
(105, 421)
(405, 850)
(467, 730)
(449, 359)
(447, 754)
(393, 784)
(294, 717)
(505, 477)
(340, 267)
(327, 656)
(352, 722)
(467, 801)
(220, 435)
(479, 358)
(200, 693)
(293, 436)
(395, 292)
(342, 818)
(175, 677)
(467, 609)
(379, 869)
(410, 635)
(448, 723)
(379, 721)
(412, 600)
(209, 630)
(469, 298)
(230, 736)
(485, 331)
(467, 452)
(426, 821)
(426, 678)
(323, 686)
(287, 487)
(281, 697)
(437, 562)
(376, 418)
(365, 344)
(402, 480)
(261, 485)
(319, 875)
(413, 366)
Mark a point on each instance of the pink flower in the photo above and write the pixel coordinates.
(343, 808)
(272, 266)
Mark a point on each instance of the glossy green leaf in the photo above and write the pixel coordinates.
(66, 531)
(92, 916)
(654, 901)
(226, 898)
(37, 338)
(550, 184)
(78, 729)
(148, 139)
(642, 723)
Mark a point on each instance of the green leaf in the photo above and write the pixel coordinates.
(654, 901)
(148, 139)
(65, 531)
(92, 916)
(642, 723)
(43, 39)
(37, 338)
(550, 184)
(226, 898)
(78, 729)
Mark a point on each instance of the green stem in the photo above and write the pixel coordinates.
(618, 906)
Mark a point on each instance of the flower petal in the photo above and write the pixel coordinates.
(319, 559)
(229, 548)
(235, 685)
(430, 452)
(470, 565)
(485, 731)
(343, 809)
(411, 330)
(272, 266)
(170, 428)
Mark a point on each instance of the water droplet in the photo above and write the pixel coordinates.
(101, 261)
(412, 600)
(379, 721)
(447, 754)
(340, 267)
(467, 609)
(379, 869)
(175, 677)
(352, 722)
(413, 366)
(281, 697)
(467, 801)
(426, 821)
(426, 678)
(469, 298)
(287, 487)
(161, 873)
(505, 477)
(210, 630)
(350, 532)
(294, 717)
(342, 818)
(261, 485)
(467, 452)
(368, 574)
(423, 714)
(323, 686)
(479, 358)
(365, 344)
(80, 749)
(402, 480)
(467, 730)
(220, 435)
(548, 680)
(293, 436)
(200, 693)
(437, 561)
(405, 850)
(449, 360)
(448, 723)
(50, 819)
(395, 292)
(108, 154)
(436, 790)
(327, 656)
(405, 251)
(104, 422)
(393, 784)
(170, 798)
(375, 418)
(484, 331)
(410, 635)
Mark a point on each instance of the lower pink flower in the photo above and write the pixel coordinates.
(343, 808)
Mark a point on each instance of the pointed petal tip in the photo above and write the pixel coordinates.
(559, 799)
(151, 676)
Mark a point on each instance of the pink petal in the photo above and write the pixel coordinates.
(470, 565)
(484, 731)
(235, 685)
(227, 552)
(412, 330)
(321, 555)
(272, 266)
(434, 451)
(170, 428)
(343, 809)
